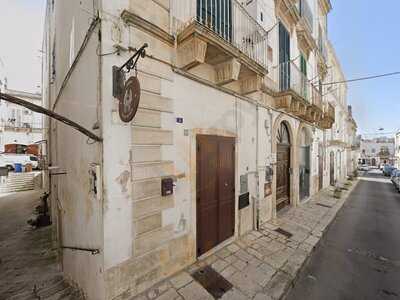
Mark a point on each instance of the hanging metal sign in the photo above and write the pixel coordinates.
(129, 103)
(128, 93)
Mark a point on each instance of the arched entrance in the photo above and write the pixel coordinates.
(321, 158)
(332, 168)
(283, 167)
(304, 163)
(374, 162)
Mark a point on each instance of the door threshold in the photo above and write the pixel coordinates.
(217, 248)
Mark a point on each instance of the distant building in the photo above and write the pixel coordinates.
(375, 152)
(19, 125)
(397, 150)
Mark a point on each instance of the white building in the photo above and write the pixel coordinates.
(19, 125)
(231, 106)
(397, 150)
(377, 151)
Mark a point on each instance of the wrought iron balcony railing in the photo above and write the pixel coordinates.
(291, 78)
(227, 19)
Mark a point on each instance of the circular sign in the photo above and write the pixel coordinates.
(128, 105)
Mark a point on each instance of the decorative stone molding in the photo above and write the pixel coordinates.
(251, 84)
(287, 11)
(227, 72)
(326, 6)
(305, 38)
(134, 20)
(191, 52)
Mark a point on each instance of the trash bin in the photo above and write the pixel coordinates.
(18, 168)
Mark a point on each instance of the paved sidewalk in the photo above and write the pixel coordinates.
(262, 264)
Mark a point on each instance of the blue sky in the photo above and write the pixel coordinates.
(364, 33)
(366, 36)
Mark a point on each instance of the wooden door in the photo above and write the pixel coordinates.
(215, 191)
(320, 167)
(283, 168)
(304, 172)
(332, 169)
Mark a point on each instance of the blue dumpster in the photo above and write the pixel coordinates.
(18, 168)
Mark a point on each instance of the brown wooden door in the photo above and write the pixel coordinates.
(321, 167)
(283, 167)
(215, 191)
(283, 177)
(332, 169)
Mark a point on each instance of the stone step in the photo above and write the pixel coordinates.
(152, 169)
(151, 136)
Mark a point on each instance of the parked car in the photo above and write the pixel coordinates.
(363, 168)
(9, 160)
(387, 170)
(396, 179)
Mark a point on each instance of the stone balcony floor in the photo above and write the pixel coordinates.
(262, 264)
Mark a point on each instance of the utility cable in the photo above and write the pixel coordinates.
(363, 78)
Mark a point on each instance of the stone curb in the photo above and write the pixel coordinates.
(345, 196)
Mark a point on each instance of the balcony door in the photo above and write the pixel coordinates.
(284, 58)
(217, 15)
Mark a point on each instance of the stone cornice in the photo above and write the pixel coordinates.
(326, 6)
(138, 22)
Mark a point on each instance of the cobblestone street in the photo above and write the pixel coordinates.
(263, 264)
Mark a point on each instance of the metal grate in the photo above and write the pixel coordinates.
(284, 232)
(212, 281)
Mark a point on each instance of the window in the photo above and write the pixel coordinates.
(373, 150)
(261, 17)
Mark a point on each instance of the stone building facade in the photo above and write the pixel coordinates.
(397, 150)
(19, 125)
(236, 108)
(377, 151)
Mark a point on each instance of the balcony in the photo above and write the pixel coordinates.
(220, 34)
(326, 6)
(305, 28)
(328, 117)
(294, 92)
(322, 56)
(288, 11)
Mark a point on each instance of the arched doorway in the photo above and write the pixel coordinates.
(321, 158)
(332, 168)
(304, 163)
(373, 162)
(283, 167)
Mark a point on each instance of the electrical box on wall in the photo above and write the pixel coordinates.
(167, 187)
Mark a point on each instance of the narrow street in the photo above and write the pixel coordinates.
(28, 265)
(359, 256)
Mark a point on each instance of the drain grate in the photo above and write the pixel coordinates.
(212, 281)
(284, 232)
(324, 205)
